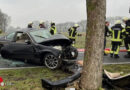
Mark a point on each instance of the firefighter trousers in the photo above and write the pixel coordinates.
(115, 48)
(127, 44)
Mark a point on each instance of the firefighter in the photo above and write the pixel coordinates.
(73, 34)
(53, 29)
(106, 34)
(124, 20)
(116, 32)
(41, 25)
(124, 36)
(126, 33)
(30, 25)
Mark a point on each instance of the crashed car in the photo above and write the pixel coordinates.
(38, 46)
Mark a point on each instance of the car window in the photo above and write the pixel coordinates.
(10, 36)
(40, 35)
(19, 34)
(21, 37)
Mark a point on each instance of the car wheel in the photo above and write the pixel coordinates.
(4, 54)
(0, 47)
(51, 61)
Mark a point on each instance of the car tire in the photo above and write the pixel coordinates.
(4, 54)
(1, 47)
(51, 61)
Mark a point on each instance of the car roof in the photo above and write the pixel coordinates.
(27, 30)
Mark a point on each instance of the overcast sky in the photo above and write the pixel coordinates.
(25, 11)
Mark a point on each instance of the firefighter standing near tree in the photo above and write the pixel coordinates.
(124, 21)
(124, 36)
(116, 32)
(73, 34)
(53, 29)
(126, 33)
(106, 34)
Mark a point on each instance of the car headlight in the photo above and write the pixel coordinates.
(59, 55)
(58, 47)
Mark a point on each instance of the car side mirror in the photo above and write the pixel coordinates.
(28, 41)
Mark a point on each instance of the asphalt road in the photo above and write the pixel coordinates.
(109, 60)
(5, 63)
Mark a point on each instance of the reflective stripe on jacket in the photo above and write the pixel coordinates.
(72, 33)
(53, 30)
(116, 32)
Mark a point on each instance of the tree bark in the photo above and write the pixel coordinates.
(91, 78)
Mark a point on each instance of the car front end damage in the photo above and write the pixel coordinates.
(68, 52)
(61, 46)
(68, 55)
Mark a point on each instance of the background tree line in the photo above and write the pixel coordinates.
(63, 27)
(4, 21)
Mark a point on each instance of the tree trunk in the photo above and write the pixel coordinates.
(91, 78)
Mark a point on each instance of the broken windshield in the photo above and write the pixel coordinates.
(40, 35)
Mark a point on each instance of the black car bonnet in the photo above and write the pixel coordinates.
(57, 39)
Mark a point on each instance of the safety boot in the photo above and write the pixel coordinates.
(116, 56)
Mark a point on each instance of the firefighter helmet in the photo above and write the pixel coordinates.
(125, 18)
(76, 25)
(118, 22)
(41, 22)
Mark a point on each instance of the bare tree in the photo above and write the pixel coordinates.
(4, 21)
(91, 78)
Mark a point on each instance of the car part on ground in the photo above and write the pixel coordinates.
(115, 81)
(110, 80)
(49, 85)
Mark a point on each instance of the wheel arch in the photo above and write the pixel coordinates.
(43, 53)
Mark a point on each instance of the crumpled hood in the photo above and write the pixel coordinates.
(57, 39)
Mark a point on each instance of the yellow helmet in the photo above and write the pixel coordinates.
(52, 23)
(76, 25)
(125, 18)
(118, 22)
(41, 22)
(30, 23)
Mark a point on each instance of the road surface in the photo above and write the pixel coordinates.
(5, 63)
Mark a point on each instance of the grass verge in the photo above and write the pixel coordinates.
(30, 79)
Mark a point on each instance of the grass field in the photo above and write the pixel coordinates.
(30, 79)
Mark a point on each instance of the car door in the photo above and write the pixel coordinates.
(22, 50)
(6, 39)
